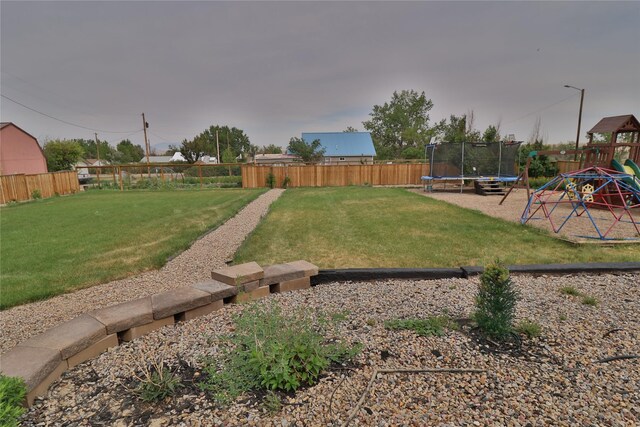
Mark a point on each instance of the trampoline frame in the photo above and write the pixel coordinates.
(429, 179)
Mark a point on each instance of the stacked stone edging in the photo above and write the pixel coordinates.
(42, 359)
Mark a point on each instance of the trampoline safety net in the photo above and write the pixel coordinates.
(472, 160)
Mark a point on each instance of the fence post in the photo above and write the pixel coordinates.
(199, 174)
(98, 173)
(120, 175)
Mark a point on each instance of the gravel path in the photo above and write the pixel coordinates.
(514, 205)
(556, 380)
(192, 265)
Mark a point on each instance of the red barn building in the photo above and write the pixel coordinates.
(20, 152)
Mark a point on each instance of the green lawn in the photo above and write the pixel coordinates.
(51, 246)
(386, 227)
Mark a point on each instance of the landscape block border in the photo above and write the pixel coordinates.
(90, 334)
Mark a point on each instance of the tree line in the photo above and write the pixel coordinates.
(64, 154)
(400, 129)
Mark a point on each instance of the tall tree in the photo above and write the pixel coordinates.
(491, 134)
(194, 149)
(128, 152)
(454, 130)
(107, 152)
(270, 149)
(62, 154)
(228, 156)
(350, 129)
(401, 123)
(459, 129)
(205, 143)
(309, 152)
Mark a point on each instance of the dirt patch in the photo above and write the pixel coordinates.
(577, 229)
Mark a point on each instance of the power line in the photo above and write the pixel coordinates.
(122, 138)
(164, 139)
(64, 121)
(541, 109)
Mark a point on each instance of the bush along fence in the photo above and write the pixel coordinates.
(332, 175)
(18, 188)
(42, 359)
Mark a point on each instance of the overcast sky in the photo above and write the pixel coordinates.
(276, 69)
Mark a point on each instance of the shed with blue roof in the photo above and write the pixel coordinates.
(344, 147)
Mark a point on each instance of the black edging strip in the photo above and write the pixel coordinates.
(366, 274)
(369, 274)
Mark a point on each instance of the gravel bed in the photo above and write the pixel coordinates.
(209, 252)
(553, 380)
(514, 205)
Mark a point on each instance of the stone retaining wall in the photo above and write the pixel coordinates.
(43, 358)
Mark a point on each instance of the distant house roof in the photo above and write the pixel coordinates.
(341, 144)
(177, 157)
(274, 159)
(626, 123)
(275, 156)
(157, 159)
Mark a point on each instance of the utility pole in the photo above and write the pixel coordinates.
(575, 156)
(98, 156)
(145, 125)
(218, 145)
(97, 148)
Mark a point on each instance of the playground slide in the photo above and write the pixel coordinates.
(631, 164)
(634, 181)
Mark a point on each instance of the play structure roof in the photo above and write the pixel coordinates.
(343, 143)
(626, 123)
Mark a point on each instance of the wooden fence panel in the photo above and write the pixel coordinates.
(335, 175)
(565, 166)
(21, 187)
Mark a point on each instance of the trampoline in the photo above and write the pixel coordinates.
(471, 161)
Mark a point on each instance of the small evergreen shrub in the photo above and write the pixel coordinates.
(271, 180)
(273, 351)
(12, 394)
(434, 325)
(495, 302)
(36, 194)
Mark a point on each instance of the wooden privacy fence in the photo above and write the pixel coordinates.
(565, 166)
(334, 175)
(21, 187)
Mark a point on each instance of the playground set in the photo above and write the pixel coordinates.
(599, 185)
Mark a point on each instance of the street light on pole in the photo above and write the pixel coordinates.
(575, 156)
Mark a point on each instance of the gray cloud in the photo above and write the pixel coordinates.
(277, 69)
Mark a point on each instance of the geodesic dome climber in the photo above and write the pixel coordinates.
(605, 197)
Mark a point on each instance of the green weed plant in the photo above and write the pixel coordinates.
(529, 328)
(272, 350)
(434, 325)
(12, 396)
